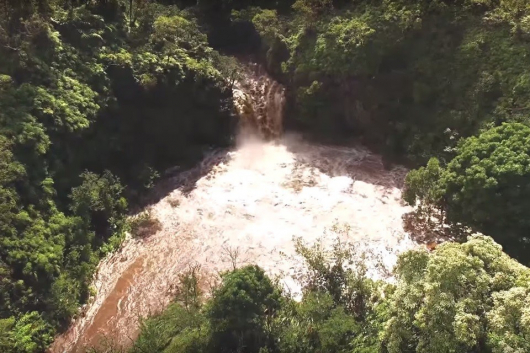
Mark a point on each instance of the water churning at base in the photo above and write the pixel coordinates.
(250, 201)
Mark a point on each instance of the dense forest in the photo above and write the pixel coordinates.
(96, 100)
(99, 97)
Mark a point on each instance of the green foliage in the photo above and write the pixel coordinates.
(341, 274)
(248, 313)
(7, 342)
(410, 77)
(420, 183)
(266, 23)
(508, 320)
(92, 98)
(180, 328)
(316, 324)
(99, 199)
(485, 186)
(239, 309)
(31, 333)
(98, 93)
(312, 8)
(171, 332)
(229, 68)
(460, 298)
(451, 301)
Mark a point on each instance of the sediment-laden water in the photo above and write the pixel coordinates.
(246, 205)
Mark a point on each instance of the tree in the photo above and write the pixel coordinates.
(487, 185)
(239, 309)
(316, 324)
(229, 67)
(267, 24)
(423, 191)
(7, 342)
(99, 198)
(181, 327)
(509, 321)
(456, 300)
(420, 184)
(177, 36)
(342, 309)
(31, 334)
(341, 273)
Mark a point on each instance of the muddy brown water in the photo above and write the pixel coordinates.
(251, 201)
(102, 326)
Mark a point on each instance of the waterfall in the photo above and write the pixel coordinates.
(248, 202)
(260, 103)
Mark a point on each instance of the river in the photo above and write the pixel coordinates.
(246, 205)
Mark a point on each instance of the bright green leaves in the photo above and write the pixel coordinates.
(99, 195)
(179, 45)
(509, 321)
(67, 109)
(267, 24)
(443, 301)
(32, 115)
(423, 190)
(317, 324)
(421, 183)
(17, 120)
(176, 33)
(247, 312)
(31, 334)
(6, 334)
(412, 76)
(312, 8)
(460, 298)
(101, 207)
(82, 88)
(71, 107)
(63, 299)
(344, 47)
(174, 30)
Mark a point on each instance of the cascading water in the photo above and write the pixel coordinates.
(259, 101)
(245, 206)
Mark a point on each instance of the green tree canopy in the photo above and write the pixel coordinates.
(486, 186)
(456, 300)
(239, 309)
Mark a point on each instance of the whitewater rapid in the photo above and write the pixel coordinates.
(252, 200)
